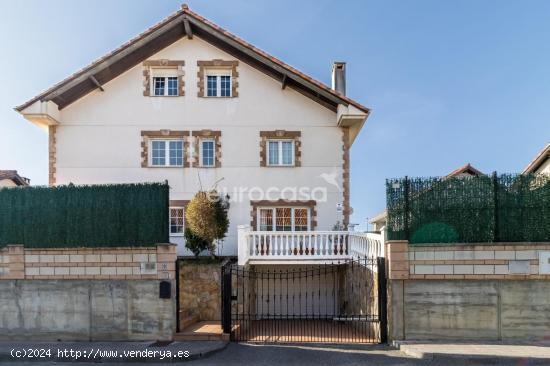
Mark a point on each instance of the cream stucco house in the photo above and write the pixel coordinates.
(541, 163)
(190, 103)
(10, 178)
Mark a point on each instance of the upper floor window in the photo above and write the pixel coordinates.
(176, 220)
(280, 152)
(163, 78)
(165, 86)
(218, 78)
(280, 148)
(166, 153)
(284, 219)
(208, 152)
(218, 86)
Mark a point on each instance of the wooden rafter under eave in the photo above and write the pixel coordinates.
(182, 23)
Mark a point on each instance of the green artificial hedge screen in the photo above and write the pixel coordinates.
(497, 208)
(85, 216)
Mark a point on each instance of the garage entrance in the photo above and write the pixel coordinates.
(342, 302)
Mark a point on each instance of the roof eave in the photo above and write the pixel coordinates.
(80, 80)
(538, 161)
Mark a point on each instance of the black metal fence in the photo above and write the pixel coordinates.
(497, 208)
(332, 303)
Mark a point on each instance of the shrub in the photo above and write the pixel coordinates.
(207, 219)
(194, 243)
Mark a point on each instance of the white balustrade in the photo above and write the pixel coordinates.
(306, 245)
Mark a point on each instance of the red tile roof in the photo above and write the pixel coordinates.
(465, 169)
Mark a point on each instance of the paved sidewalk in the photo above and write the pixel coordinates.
(476, 350)
(108, 351)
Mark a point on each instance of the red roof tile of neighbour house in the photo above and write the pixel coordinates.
(541, 157)
(170, 30)
(467, 169)
(13, 176)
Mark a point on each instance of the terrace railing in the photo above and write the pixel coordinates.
(306, 246)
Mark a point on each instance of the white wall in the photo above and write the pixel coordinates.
(98, 140)
(544, 168)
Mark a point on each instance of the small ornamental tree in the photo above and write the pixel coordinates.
(207, 221)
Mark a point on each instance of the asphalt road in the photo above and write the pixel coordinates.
(304, 355)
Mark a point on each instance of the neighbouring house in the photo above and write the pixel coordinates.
(541, 163)
(189, 103)
(467, 170)
(10, 178)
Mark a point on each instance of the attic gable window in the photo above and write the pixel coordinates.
(217, 79)
(218, 85)
(163, 78)
(165, 86)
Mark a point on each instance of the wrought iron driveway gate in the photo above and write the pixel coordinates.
(341, 302)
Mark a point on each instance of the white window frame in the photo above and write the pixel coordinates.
(218, 74)
(170, 221)
(166, 153)
(165, 77)
(274, 216)
(280, 152)
(201, 160)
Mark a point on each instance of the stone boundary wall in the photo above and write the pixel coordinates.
(513, 261)
(135, 263)
(200, 289)
(87, 294)
(85, 310)
(494, 291)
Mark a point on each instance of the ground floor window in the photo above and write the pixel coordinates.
(284, 219)
(176, 220)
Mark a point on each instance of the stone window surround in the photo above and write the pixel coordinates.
(311, 204)
(217, 63)
(146, 136)
(281, 134)
(210, 134)
(163, 64)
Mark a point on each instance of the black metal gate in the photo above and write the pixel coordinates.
(342, 302)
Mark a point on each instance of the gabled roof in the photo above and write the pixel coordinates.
(16, 178)
(467, 169)
(182, 23)
(541, 157)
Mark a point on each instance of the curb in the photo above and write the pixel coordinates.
(7, 357)
(428, 356)
(206, 353)
(489, 359)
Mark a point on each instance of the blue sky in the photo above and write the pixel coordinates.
(449, 82)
